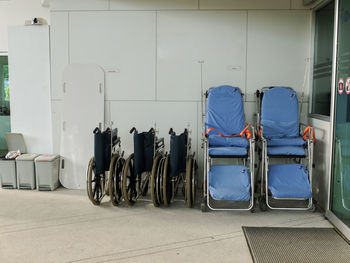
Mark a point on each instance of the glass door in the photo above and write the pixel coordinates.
(340, 185)
(4, 103)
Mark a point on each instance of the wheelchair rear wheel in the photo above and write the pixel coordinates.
(166, 183)
(114, 182)
(129, 191)
(191, 168)
(159, 181)
(154, 179)
(94, 184)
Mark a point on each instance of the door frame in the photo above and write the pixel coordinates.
(344, 229)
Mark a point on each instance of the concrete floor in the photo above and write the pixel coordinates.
(63, 226)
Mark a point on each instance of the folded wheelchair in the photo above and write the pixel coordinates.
(286, 155)
(104, 169)
(174, 170)
(228, 151)
(138, 166)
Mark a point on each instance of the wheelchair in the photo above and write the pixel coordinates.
(179, 168)
(286, 155)
(139, 165)
(104, 169)
(229, 159)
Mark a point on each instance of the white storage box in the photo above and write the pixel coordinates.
(47, 170)
(8, 178)
(26, 171)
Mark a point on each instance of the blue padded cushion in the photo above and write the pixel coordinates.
(286, 150)
(289, 181)
(225, 110)
(297, 141)
(228, 151)
(217, 140)
(279, 113)
(229, 182)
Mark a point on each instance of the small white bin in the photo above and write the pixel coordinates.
(8, 177)
(8, 174)
(26, 171)
(47, 170)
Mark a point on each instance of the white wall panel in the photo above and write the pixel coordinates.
(185, 38)
(57, 109)
(124, 44)
(143, 116)
(153, 4)
(79, 5)
(245, 4)
(30, 98)
(59, 51)
(278, 46)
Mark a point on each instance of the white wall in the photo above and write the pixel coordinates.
(15, 12)
(157, 61)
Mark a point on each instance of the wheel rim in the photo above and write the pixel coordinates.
(166, 182)
(153, 180)
(94, 184)
(129, 187)
(194, 181)
(115, 170)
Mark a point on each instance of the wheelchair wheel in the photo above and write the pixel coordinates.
(194, 181)
(166, 183)
(114, 182)
(128, 182)
(189, 182)
(153, 180)
(159, 180)
(94, 184)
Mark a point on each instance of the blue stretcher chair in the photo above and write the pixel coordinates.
(287, 156)
(228, 151)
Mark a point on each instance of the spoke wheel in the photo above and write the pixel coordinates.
(194, 181)
(114, 181)
(153, 180)
(166, 183)
(94, 184)
(129, 183)
(189, 175)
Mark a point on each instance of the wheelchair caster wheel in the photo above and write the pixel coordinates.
(203, 207)
(252, 210)
(313, 208)
(262, 203)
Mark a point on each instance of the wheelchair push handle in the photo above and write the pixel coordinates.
(133, 129)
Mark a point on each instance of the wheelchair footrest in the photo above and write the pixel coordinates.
(289, 181)
(229, 182)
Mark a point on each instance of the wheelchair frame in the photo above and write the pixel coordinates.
(141, 184)
(187, 178)
(106, 183)
(207, 164)
(264, 190)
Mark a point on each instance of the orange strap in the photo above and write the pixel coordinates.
(245, 131)
(307, 133)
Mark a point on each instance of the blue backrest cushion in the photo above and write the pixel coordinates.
(225, 110)
(279, 113)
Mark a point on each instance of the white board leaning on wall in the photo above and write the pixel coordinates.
(83, 110)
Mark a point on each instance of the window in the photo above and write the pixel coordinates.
(4, 87)
(322, 66)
